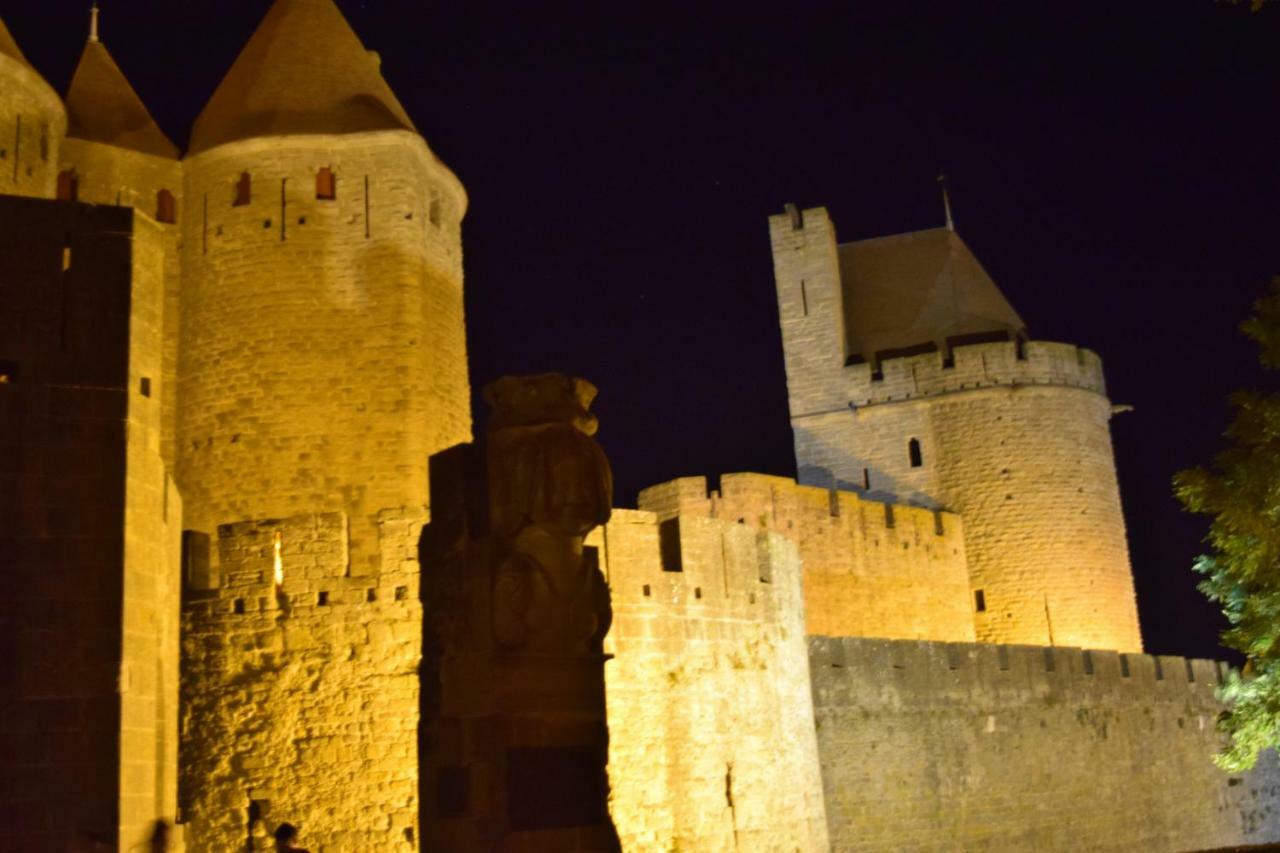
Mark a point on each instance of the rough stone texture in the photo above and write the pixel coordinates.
(870, 569)
(710, 717)
(323, 352)
(88, 623)
(109, 175)
(33, 122)
(932, 746)
(1013, 438)
(301, 700)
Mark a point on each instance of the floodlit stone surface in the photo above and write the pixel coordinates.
(871, 569)
(710, 721)
(1014, 437)
(946, 746)
(300, 701)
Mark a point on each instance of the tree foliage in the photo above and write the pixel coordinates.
(1240, 491)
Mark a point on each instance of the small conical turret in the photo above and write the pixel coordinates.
(304, 71)
(103, 107)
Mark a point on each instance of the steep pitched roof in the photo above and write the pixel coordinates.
(915, 289)
(303, 71)
(103, 107)
(9, 47)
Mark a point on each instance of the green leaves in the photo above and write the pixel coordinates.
(1240, 491)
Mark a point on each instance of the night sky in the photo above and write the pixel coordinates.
(1112, 164)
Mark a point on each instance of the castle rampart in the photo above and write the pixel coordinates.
(871, 569)
(943, 746)
(711, 728)
(300, 696)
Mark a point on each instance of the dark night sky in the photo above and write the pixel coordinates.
(1112, 164)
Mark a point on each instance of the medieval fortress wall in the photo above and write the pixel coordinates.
(962, 746)
(871, 569)
(292, 348)
(300, 693)
(710, 720)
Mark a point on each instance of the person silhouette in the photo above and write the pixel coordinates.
(287, 839)
(160, 835)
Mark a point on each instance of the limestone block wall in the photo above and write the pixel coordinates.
(710, 718)
(946, 746)
(871, 569)
(88, 622)
(323, 357)
(106, 174)
(300, 700)
(33, 122)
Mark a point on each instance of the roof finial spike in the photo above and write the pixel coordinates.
(946, 202)
(93, 22)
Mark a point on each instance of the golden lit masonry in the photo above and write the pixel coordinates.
(261, 578)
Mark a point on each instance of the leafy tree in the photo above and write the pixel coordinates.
(1241, 492)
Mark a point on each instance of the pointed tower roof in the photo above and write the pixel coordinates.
(103, 107)
(303, 71)
(9, 47)
(925, 287)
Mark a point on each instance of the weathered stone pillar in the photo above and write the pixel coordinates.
(514, 738)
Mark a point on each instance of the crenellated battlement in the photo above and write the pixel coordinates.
(950, 673)
(871, 568)
(702, 567)
(971, 367)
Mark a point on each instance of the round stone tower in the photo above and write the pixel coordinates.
(32, 124)
(911, 379)
(323, 349)
(323, 361)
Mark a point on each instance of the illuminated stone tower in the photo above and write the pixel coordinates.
(32, 124)
(322, 363)
(911, 378)
(323, 353)
(115, 154)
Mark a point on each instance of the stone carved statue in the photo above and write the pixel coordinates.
(549, 484)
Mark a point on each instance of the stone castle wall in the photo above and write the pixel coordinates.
(711, 728)
(33, 123)
(1013, 437)
(323, 348)
(89, 621)
(871, 569)
(300, 702)
(933, 746)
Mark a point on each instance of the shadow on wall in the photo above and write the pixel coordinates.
(822, 477)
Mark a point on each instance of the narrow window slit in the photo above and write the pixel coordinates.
(243, 190)
(326, 185)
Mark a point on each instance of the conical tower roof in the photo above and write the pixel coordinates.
(923, 287)
(304, 71)
(9, 47)
(103, 107)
